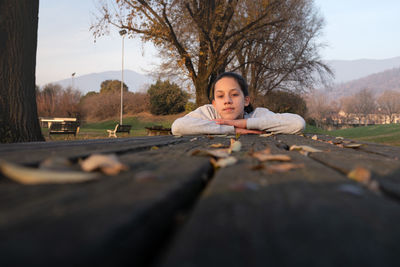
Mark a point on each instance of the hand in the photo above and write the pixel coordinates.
(242, 123)
(247, 131)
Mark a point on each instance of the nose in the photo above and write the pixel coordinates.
(227, 99)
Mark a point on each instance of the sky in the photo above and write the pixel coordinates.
(354, 29)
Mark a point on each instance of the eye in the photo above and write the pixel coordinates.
(235, 94)
(220, 96)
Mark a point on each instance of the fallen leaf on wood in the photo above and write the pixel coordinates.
(363, 176)
(108, 164)
(314, 137)
(193, 139)
(154, 148)
(218, 145)
(177, 136)
(304, 148)
(339, 137)
(266, 135)
(237, 136)
(284, 167)
(57, 164)
(223, 162)
(25, 175)
(235, 146)
(218, 153)
(269, 157)
(360, 174)
(353, 145)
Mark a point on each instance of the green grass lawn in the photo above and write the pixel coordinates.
(97, 130)
(388, 134)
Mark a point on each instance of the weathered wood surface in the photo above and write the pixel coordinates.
(173, 209)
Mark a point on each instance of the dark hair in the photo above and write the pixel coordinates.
(240, 80)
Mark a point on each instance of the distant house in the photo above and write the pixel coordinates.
(343, 118)
(45, 122)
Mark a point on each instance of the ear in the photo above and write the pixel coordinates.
(246, 101)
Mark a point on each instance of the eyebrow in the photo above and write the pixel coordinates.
(230, 90)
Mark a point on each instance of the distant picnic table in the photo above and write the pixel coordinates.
(173, 208)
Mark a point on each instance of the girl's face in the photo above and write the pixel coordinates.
(229, 100)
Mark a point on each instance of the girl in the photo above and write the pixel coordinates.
(231, 112)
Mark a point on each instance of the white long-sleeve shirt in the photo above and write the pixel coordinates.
(200, 121)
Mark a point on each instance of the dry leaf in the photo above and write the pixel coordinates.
(108, 164)
(235, 146)
(25, 175)
(314, 137)
(57, 164)
(268, 157)
(266, 135)
(218, 145)
(193, 139)
(360, 174)
(218, 153)
(154, 148)
(353, 145)
(304, 148)
(237, 136)
(223, 162)
(363, 176)
(284, 167)
(340, 138)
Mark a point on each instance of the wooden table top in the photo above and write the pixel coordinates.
(172, 208)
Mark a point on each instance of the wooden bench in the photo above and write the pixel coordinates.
(119, 128)
(67, 127)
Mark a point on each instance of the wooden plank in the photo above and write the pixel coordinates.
(114, 221)
(384, 150)
(313, 216)
(35, 152)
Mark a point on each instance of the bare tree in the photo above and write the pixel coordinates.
(18, 42)
(362, 104)
(199, 38)
(319, 108)
(389, 104)
(284, 57)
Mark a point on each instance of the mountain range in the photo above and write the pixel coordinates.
(91, 82)
(350, 76)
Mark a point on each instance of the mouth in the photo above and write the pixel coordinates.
(228, 109)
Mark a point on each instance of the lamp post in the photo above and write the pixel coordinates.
(72, 80)
(122, 33)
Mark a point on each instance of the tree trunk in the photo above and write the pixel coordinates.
(18, 42)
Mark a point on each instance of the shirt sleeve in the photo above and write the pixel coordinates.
(200, 121)
(279, 123)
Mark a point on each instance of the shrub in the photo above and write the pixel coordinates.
(282, 101)
(106, 106)
(166, 98)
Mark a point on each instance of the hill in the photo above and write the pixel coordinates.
(377, 83)
(91, 82)
(347, 70)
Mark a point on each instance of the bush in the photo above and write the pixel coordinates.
(190, 106)
(106, 106)
(166, 98)
(282, 102)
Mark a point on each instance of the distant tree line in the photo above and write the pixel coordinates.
(363, 107)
